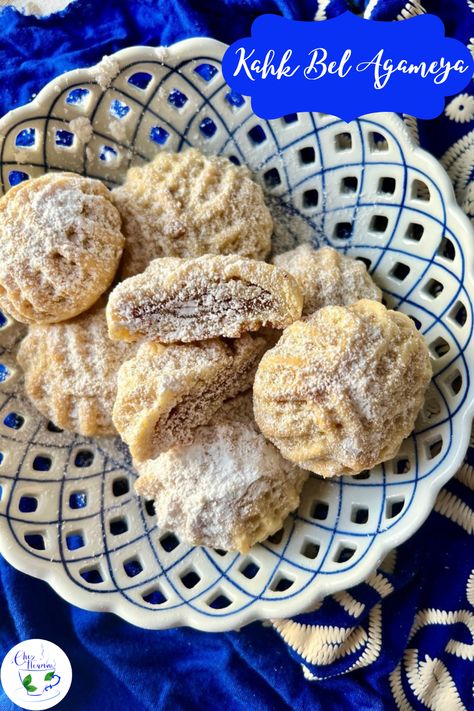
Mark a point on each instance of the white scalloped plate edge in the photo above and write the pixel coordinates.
(385, 541)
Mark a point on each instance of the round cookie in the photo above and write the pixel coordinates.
(229, 489)
(165, 392)
(71, 372)
(327, 277)
(188, 204)
(342, 389)
(184, 300)
(61, 244)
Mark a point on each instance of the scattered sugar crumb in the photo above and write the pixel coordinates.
(21, 156)
(118, 130)
(90, 154)
(161, 54)
(106, 71)
(82, 128)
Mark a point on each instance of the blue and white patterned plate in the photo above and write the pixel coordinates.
(68, 513)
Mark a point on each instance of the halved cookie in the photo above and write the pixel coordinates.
(165, 392)
(185, 300)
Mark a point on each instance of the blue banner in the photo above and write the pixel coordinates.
(347, 66)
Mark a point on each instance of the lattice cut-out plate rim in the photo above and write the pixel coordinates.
(383, 540)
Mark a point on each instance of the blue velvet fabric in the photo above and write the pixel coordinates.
(410, 629)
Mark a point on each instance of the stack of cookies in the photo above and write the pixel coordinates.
(153, 315)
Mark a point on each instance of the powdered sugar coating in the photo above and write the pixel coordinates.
(229, 489)
(61, 245)
(71, 372)
(342, 388)
(184, 300)
(187, 204)
(327, 277)
(165, 392)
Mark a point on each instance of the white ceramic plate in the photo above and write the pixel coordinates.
(67, 509)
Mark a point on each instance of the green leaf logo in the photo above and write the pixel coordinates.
(27, 683)
(49, 676)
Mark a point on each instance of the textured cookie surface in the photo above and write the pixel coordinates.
(229, 489)
(71, 372)
(187, 204)
(61, 244)
(342, 389)
(165, 392)
(327, 277)
(184, 300)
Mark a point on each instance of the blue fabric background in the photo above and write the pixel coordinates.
(119, 666)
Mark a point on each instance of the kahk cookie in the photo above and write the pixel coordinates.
(71, 372)
(342, 389)
(188, 204)
(327, 277)
(165, 392)
(228, 489)
(184, 300)
(61, 244)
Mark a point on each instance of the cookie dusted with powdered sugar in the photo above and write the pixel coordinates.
(327, 278)
(184, 300)
(165, 392)
(342, 389)
(188, 204)
(71, 372)
(228, 489)
(61, 244)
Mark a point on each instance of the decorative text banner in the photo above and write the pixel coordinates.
(347, 66)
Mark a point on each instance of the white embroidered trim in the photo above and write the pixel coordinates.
(398, 692)
(455, 509)
(348, 603)
(458, 162)
(370, 8)
(412, 124)
(321, 11)
(389, 562)
(461, 108)
(432, 683)
(322, 645)
(370, 654)
(383, 586)
(411, 9)
(466, 476)
(423, 618)
(470, 589)
(374, 640)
